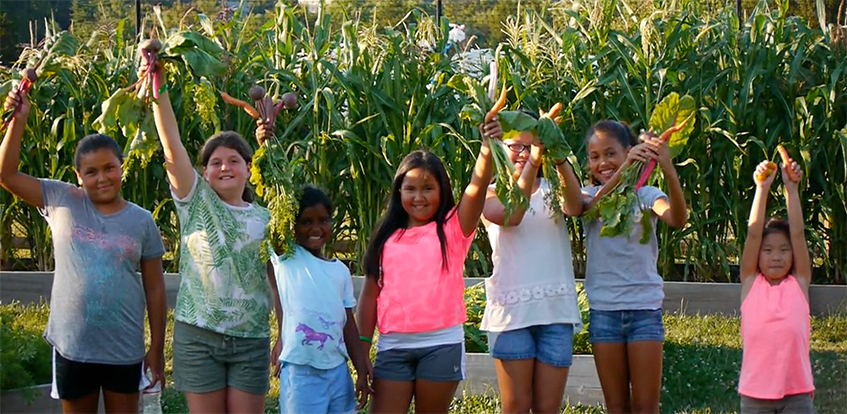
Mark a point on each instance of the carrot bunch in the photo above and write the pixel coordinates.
(616, 204)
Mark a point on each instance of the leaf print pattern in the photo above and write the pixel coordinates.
(224, 284)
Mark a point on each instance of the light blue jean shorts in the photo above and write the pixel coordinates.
(551, 344)
(303, 389)
(625, 326)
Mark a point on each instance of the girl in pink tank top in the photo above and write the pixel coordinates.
(414, 290)
(776, 371)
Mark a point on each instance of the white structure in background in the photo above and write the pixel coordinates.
(312, 5)
(457, 33)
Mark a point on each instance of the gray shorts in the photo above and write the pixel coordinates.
(790, 404)
(206, 361)
(440, 363)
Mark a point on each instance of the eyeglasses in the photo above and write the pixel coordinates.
(517, 147)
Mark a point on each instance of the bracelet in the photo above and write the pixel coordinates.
(558, 164)
(532, 164)
(164, 88)
(366, 339)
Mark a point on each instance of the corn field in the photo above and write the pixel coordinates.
(371, 94)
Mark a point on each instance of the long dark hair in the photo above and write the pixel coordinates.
(396, 218)
(234, 141)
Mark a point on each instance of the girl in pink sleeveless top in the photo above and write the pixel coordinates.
(414, 290)
(776, 371)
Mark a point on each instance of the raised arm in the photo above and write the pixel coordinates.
(802, 261)
(573, 200)
(674, 211)
(755, 228)
(495, 212)
(26, 187)
(180, 170)
(473, 199)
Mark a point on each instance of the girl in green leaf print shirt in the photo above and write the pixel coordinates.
(221, 336)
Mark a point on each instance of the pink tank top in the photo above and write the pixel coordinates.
(418, 294)
(775, 332)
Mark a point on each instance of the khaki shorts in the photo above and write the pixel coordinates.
(206, 361)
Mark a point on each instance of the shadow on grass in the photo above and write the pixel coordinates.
(704, 379)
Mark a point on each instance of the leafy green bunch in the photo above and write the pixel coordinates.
(505, 175)
(616, 204)
(273, 175)
(128, 109)
(556, 148)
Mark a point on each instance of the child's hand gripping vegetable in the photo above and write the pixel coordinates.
(266, 110)
(616, 202)
(28, 77)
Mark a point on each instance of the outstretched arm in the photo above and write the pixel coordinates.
(25, 186)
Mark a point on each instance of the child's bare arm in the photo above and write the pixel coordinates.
(152, 278)
(277, 349)
(25, 186)
(755, 228)
(360, 359)
(796, 224)
(573, 200)
(177, 162)
(473, 198)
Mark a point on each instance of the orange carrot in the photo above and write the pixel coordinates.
(244, 105)
(555, 110)
(497, 106)
(786, 161)
(771, 167)
(670, 131)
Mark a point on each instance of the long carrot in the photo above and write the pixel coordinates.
(244, 105)
(645, 174)
(497, 106)
(786, 161)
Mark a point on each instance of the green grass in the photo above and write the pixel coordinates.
(701, 364)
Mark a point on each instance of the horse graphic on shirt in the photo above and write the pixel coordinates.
(312, 335)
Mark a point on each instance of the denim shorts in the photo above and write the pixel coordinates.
(625, 326)
(303, 389)
(551, 344)
(206, 361)
(439, 363)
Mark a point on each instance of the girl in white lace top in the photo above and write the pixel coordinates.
(531, 311)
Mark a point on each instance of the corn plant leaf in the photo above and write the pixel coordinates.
(673, 110)
(200, 53)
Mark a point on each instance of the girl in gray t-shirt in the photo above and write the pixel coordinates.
(101, 242)
(624, 289)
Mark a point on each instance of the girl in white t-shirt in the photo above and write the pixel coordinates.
(531, 311)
